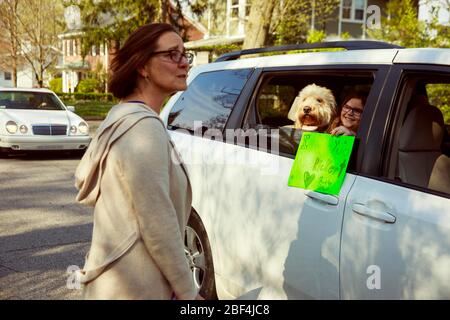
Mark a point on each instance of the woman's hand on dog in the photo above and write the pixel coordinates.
(342, 131)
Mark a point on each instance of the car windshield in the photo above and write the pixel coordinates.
(29, 100)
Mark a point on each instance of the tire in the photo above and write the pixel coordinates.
(196, 245)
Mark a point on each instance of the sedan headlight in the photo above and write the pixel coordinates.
(73, 129)
(83, 128)
(11, 127)
(23, 129)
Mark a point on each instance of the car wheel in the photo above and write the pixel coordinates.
(198, 252)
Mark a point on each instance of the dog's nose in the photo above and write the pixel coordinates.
(306, 109)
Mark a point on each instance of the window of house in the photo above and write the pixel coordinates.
(8, 76)
(238, 11)
(209, 100)
(420, 155)
(353, 10)
(269, 112)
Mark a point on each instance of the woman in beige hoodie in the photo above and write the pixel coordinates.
(132, 177)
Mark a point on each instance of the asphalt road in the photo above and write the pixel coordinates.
(43, 230)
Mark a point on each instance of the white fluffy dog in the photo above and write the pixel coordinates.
(313, 108)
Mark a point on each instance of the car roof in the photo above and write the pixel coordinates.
(26, 89)
(323, 58)
(423, 56)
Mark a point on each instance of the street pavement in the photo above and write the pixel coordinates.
(43, 230)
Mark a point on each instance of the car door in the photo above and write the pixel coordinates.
(396, 230)
(274, 241)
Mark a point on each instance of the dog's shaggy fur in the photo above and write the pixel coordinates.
(313, 109)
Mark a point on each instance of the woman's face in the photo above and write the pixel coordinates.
(351, 113)
(165, 73)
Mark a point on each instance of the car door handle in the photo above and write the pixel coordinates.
(328, 199)
(372, 213)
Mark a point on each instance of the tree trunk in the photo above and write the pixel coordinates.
(163, 11)
(14, 71)
(257, 27)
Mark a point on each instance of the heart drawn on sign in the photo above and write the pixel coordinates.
(308, 178)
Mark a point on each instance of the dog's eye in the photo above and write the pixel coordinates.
(319, 100)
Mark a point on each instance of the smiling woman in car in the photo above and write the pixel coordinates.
(142, 198)
(347, 122)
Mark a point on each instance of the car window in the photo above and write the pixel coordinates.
(29, 101)
(421, 156)
(270, 112)
(209, 100)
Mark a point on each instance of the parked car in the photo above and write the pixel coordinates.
(386, 235)
(36, 119)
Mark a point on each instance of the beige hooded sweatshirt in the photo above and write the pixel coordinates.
(131, 175)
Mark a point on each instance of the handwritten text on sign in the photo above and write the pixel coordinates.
(321, 162)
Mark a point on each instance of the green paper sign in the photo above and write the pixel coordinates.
(321, 162)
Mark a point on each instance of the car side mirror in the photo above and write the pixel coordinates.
(71, 108)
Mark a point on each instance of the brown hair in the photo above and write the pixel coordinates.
(350, 95)
(134, 54)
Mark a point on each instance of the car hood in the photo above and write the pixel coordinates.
(30, 117)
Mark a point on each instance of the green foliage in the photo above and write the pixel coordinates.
(100, 75)
(315, 36)
(401, 26)
(114, 20)
(345, 35)
(89, 85)
(439, 96)
(218, 50)
(293, 19)
(77, 96)
(90, 109)
(55, 84)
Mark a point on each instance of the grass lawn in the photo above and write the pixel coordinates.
(90, 110)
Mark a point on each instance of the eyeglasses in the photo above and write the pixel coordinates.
(176, 56)
(356, 111)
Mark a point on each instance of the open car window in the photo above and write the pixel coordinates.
(271, 110)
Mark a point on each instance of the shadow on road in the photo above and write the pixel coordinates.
(39, 269)
(44, 155)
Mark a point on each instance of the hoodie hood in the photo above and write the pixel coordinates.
(120, 119)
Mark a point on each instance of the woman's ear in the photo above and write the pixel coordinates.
(143, 71)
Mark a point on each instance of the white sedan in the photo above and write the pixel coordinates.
(36, 119)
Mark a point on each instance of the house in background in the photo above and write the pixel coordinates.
(351, 17)
(25, 78)
(74, 67)
(227, 24)
(230, 17)
(25, 75)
